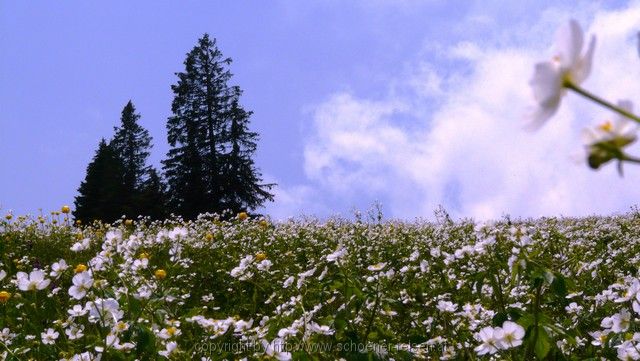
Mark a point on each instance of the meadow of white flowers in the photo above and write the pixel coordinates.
(552, 288)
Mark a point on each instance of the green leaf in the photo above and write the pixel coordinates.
(559, 286)
(499, 318)
(543, 345)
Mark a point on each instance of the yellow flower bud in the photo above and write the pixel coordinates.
(128, 222)
(264, 223)
(4, 296)
(65, 209)
(260, 256)
(80, 268)
(243, 216)
(160, 274)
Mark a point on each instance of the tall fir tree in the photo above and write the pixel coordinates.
(152, 197)
(241, 179)
(132, 143)
(196, 167)
(204, 173)
(99, 194)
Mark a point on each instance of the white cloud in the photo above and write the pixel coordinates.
(470, 152)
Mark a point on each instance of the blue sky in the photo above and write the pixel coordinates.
(349, 99)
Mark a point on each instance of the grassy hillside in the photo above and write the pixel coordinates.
(552, 288)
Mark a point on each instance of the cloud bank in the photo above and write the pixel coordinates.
(456, 138)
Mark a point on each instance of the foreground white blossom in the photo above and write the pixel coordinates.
(487, 336)
(81, 246)
(500, 338)
(58, 267)
(104, 310)
(32, 282)
(510, 335)
(628, 351)
(82, 282)
(276, 349)
(169, 349)
(568, 66)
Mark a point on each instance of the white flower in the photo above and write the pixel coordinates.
(81, 246)
(569, 65)
(510, 335)
(604, 143)
(628, 351)
(74, 332)
(49, 337)
(573, 308)
(140, 264)
(82, 282)
(113, 341)
(323, 330)
(337, 255)
(167, 333)
(488, 338)
(276, 349)
(264, 265)
(6, 336)
(377, 267)
(86, 356)
(599, 338)
(240, 326)
(620, 321)
(104, 310)
(446, 306)
(77, 311)
(169, 348)
(34, 281)
(287, 282)
(632, 291)
(286, 332)
(58, 267)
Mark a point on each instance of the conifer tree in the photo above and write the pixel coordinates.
(119, 182)
(152, 197)
(132, 143)
(99, 194)
(241, 179)
(196, 168)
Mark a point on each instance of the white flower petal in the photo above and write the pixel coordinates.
(569, 41)
(582, 68)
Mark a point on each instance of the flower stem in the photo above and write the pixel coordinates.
(604, 103)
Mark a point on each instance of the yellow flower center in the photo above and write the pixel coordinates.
(65, 209)
(260, 256)
(243, 216)
(4, 296)
(606, 126)
(172, 330)
(144, 255)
